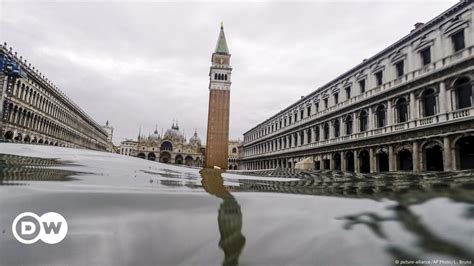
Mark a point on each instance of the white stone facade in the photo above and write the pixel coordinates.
(409, 107)
(33, 110)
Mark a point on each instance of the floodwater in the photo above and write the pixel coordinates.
(128, 211)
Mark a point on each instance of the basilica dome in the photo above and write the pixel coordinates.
(195, 140)
(173, 133)
(155, 136)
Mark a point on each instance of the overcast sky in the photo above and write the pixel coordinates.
(146, 63)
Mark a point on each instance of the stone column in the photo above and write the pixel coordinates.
(356, 162)
(342, 129)
(343, 162)
(371, 120)
(372, 160)
(331, 162)
(313, 134)
(305, 136)
(391, 159)
(413, 110)
(389, 113)
(442, 98)
(416, 157)
(447, 158)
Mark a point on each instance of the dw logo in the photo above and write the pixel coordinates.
(28, 228)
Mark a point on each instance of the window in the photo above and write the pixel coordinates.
(317, 107)
(380, 111)
(336, 128)
(301, 114)
(348, 92)
(280, 123)
(289, 120)
(349, 125)
(362, 86)
(402, 110)
(379, 78)
(309, 135)
(301, 138)
(425, 55)
(428, 99)
(400, 68)
(284, 122)
(336, 98)
(326, 103)
(458, 41)
(316, 132)
(308, 110)
(363, 121)
(326, 130)
(463, 89)
(296, 117)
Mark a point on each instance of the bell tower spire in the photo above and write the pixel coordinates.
(219, 99)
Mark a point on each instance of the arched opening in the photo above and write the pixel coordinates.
(364, 161)
(166, 146)
(463, 89)
(465, 152)
(326, 130)
(363, 121)
(40, 141)
(189, 160)
(434, 158)
(327, 164)
(178, 159)
(405, 160)
(381, 113)
(18, 137)
(428, 99)
(234, 150)
(290, 165)
(34, 140)
(27, 138)
(349, 125)
(165, 157)
(337, 161)
(8, 135)
(141, 155)
(350, 161)
(401, 108)
(46, 142)
(317, 165)
(151, 156)
(382, 161)
(336, 128)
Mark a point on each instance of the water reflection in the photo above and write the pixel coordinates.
(16, 170)
(230, 216)
(406, 189)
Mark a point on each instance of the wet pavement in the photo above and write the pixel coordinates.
(128, 211)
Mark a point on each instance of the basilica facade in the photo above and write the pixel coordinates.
(407, 108)
(170, 147)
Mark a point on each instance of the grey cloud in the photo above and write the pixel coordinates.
(146, 63)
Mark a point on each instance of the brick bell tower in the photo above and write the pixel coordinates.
(218, 116)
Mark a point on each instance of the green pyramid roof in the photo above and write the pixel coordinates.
(221, 46)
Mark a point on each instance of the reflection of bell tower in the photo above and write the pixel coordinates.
(232, 241)
(218, 114)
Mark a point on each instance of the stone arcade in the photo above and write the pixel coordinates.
(33, 110)
(409, 107)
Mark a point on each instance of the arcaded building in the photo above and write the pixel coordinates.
(407, 108)
(219, 104)
(33, 110)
